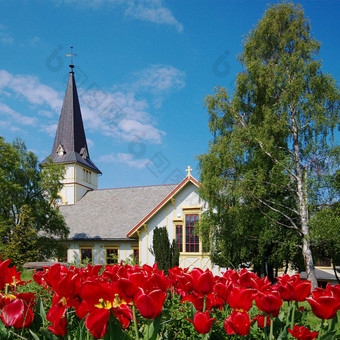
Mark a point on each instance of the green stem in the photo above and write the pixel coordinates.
(271, 329)
(321, 327)
(204, 303)
(148, 329)
(265, 326)
(135, 320)
(293, 316)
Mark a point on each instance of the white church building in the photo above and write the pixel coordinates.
(120, 221)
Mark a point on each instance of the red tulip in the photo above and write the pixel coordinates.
(197, 299)
(240, 299)
(261, 320)
(8, 275)
(150, 304)
(99, 298)
(269, 302)
(128, 287)
(202, 322)
(222, 290)
(203, 282)
(293, 288)
(237, 322)
(59, 327)
(96, 322)
(247, 279)
(302, 333)
(324, 307)
(17, 314)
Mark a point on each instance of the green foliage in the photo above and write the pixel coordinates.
(174, 254)
(161, 248)
(325, 231)
(30, 226)
(272, 151)
(166, 254)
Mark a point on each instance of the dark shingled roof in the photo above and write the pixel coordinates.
(70, 133)
(109, 214)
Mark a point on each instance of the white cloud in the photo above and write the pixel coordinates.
(123, 113)
(90, 142)
(7, 125)
(50, 129)
(119, 114)
(31, 89)
(5, 36)
(17, 117)
(46, 113)
(125, 158)
(34, 41)
(152, 11)
(160, 81)
(145, 10)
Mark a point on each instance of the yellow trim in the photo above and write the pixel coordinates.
(166, 217)
(192, 207)
(173, 206)
(147, 243)
(192, 259)
(143, 229)
(191, 210)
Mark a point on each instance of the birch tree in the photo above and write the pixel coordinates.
(273, 138)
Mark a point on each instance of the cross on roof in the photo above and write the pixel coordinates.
(189, 170)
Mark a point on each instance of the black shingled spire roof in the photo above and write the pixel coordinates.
(70, 135)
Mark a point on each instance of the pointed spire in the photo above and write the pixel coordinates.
(70, 144)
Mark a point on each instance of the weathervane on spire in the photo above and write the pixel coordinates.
(71, 55)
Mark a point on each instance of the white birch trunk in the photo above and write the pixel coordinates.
(303, 209)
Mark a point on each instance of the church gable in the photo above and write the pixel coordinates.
(179, 215)
(161, 204)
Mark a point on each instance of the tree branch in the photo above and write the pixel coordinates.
(293, 225)
(282, 224)
(284, 206)
(244, 125)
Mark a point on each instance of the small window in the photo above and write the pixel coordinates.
(60, 150)
(136, 255)
(111, 255)
(87, 176)
(325, 262)
(86, 254)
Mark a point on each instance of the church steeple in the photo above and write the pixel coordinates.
(70, 144)
(70, 149)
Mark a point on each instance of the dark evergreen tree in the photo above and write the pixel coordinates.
(174, 254)
(166, 254)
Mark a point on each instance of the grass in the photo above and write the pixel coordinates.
(27, 274)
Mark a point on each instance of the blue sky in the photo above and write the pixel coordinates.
(143, 69)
